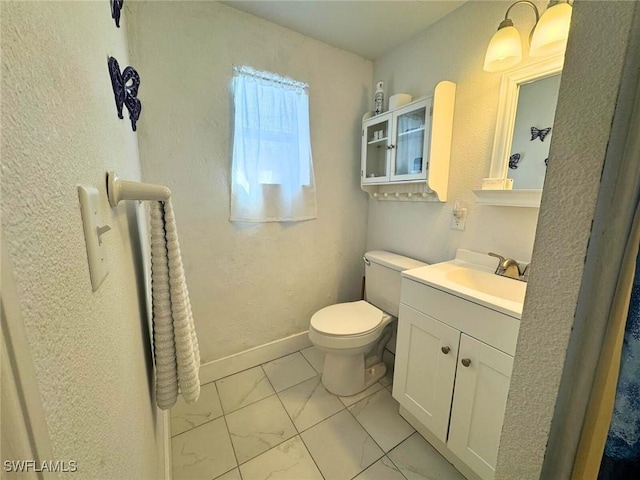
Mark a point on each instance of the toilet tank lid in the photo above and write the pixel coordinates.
(393, 260)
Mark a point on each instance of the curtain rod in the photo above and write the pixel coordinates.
(272, 77)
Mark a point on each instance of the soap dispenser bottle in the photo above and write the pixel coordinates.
(378, 99)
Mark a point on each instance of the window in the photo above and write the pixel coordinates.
(272, 170)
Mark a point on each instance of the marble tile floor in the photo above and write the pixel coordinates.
(276, 421)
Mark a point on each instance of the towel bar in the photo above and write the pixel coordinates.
(118, 190)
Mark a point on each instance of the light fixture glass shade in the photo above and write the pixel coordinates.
(504, 50)
(551, 32)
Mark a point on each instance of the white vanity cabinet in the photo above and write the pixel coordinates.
(452, 372)
(425, 368)
(405, 151)
(482, 384)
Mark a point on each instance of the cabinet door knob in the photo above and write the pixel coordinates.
(445, 350)
(466, 362)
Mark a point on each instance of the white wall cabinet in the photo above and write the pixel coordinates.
(377, 141)
(454, 384)
(406, 151)
(394, 144)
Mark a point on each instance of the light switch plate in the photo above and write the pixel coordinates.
(92, 221)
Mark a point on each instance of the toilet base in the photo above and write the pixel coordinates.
(346, 375)
(375, 373)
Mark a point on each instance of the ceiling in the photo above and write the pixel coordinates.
(368, 28)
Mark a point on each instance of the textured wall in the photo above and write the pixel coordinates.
(59, 129)
(590, 86)
(453, 49)
(249, 283)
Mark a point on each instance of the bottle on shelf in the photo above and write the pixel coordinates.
(378, 99)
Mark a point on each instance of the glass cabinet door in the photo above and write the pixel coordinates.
(409, 146)
(375, 149)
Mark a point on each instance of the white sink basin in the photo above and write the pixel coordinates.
(471, 276)
(489, 284)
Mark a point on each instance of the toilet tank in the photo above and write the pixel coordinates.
(382, 273)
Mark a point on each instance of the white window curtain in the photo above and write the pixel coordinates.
(272, 170)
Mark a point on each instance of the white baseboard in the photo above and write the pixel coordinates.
(226, 366)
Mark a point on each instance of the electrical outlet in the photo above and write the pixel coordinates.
(458, 222)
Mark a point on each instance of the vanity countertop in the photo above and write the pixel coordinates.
(471, 276)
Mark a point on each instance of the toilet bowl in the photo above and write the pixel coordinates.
(353, 335)
(345, 333)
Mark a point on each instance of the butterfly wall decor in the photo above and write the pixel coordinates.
(513, 161)
(539, 133)
(125, 90)
(116, 6)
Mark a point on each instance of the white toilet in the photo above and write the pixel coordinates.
(353, 335)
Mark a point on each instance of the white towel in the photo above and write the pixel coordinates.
(174, 336)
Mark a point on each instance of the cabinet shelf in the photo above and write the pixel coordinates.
(409, 132)
(415, 169)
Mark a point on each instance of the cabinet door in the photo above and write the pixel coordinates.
(482, 385)
(376, 148)
(425, 367)
(410, 147)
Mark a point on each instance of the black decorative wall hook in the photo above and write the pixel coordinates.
(125, 90)
(116, 6)
(513, 161)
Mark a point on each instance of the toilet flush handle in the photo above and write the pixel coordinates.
(366, 261)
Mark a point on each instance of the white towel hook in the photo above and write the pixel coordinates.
(118, 190)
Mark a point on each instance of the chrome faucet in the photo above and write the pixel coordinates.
(509, 268)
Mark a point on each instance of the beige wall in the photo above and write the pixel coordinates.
(249, 283)
(453, 49)
(59, 129)
(575, 260)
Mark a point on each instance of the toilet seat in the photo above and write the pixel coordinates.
(363, 321)
(347, 319)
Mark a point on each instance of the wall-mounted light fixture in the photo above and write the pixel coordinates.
(548, 36)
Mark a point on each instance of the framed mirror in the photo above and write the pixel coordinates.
(526, 110)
